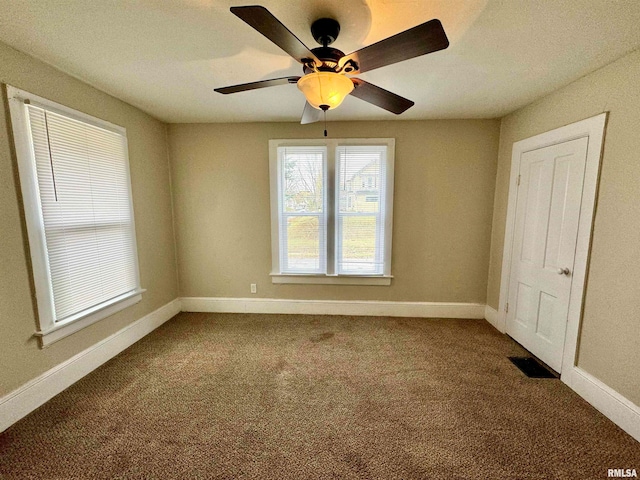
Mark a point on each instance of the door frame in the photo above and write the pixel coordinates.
(593, 128)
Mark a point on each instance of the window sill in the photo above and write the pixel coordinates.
(332, 279)
(77, 322)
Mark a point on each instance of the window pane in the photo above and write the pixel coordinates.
(302, 252)
(302, 171)
(358, 252)
(99, 270)
(361, 194)
(302, 210)
(361, 177)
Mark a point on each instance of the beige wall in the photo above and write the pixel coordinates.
(20, 357)
(444, 186)
(609, 343)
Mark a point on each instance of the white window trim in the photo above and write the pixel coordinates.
(50, 331)
(331, 277)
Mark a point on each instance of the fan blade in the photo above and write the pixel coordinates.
(426, 38)
(310, 114)
(264, 22)
(380, 97)
(253, 85)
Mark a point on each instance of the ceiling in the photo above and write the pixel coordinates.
(166, 56)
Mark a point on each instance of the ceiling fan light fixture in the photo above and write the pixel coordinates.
(326, 89)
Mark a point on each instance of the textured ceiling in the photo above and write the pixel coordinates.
(166, 57)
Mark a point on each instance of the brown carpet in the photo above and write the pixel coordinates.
(292, 397)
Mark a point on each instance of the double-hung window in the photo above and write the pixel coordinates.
(74, 174)
(331, 210)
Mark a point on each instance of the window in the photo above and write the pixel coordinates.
(331, 210)
(74, 174)
(302, 215)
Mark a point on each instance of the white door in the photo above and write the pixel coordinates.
(544, 246)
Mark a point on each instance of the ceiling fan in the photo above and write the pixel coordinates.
(324, 83)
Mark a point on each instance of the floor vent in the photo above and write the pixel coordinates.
(532, 368)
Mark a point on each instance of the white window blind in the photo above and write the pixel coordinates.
(361, 171)
(302, 209)
(83, 183)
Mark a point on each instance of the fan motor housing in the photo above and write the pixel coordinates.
(325, 31)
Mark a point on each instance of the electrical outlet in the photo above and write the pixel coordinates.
(254, 288)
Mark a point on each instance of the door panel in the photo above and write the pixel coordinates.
(533, 205)
(544, 327)
(546, 227)
(556, 215)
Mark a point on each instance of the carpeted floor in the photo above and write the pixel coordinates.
(295, 397)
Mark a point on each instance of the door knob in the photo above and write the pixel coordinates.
(564, 271)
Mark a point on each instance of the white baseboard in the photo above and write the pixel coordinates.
(491, 315)
(36, 392)
(610, 403)
(333, 307)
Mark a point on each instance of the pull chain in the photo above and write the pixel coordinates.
(325, 122)
(324, 109)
